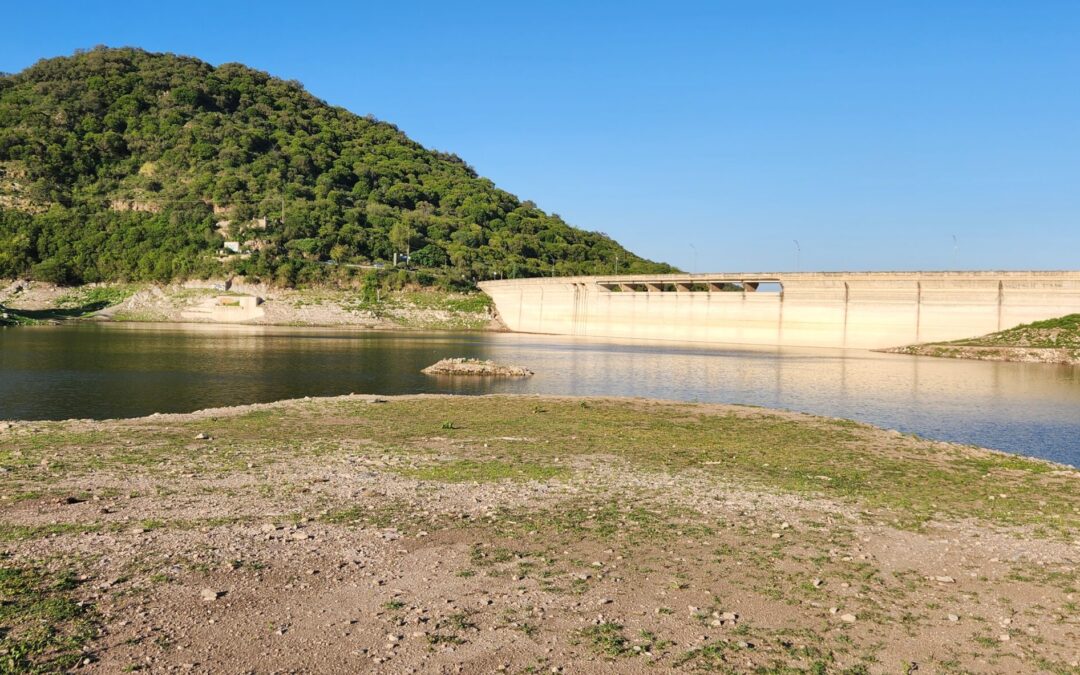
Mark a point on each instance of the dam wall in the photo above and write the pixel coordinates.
(864, 310)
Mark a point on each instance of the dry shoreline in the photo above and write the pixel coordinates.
(207, 302)
(1050, 355)
(1055, 341)
(530, 534)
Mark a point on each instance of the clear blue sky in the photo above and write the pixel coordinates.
(871, 131)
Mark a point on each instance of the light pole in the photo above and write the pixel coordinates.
(798, 254)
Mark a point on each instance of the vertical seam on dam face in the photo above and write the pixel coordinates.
(808, 311)
(587, 299)
(918, 311)
(1000, 301)
(780, 318)
(847, 298)
(579, 298)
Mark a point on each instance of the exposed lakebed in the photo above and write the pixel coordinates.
(128, 370)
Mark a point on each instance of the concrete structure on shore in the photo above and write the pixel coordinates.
(226, 309)
(866, 310)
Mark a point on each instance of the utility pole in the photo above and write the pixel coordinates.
(955, 252)
(798, 255)
(616, 263)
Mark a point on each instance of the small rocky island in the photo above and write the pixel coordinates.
(463, 366)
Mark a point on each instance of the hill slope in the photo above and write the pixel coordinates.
(119, 164)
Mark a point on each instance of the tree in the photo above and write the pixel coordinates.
(430, 256)
(401, 236)
(115, 165)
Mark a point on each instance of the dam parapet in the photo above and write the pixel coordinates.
(864, 310)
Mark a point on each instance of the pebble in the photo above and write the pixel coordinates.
(202, 437)
(848, 618)
(954, 618)
(945, 580)
(209, 594)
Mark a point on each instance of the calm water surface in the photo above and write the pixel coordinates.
(126, 370)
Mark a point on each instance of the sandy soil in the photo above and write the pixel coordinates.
(332, 551)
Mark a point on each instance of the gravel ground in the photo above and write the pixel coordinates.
(356, 534)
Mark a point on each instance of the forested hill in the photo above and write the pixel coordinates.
(119, 164)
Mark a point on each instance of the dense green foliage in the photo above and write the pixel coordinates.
(119, 164)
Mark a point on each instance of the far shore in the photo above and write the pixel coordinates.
(1048, 355)
(208, 303)
(217, 303)
(1055, 341)
(524, 534)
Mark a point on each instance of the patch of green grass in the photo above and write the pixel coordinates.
(14, 317)
(450, 302)
(103, 296)
(901, 479)
(445, 639)
(607, 638)
(444, 310)
(42, 626)
(1060, 332)
(74, 304)
(393, 513)
(9, 532)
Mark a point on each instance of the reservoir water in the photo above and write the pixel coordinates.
(129, 370)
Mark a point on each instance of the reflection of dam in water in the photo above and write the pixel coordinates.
(822, 309)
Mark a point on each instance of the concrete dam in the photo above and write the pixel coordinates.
(862, 310)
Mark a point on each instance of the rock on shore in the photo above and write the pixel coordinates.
(463, 366)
